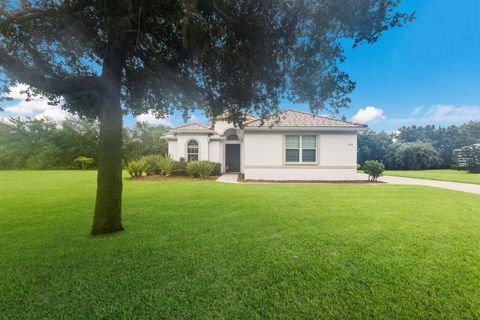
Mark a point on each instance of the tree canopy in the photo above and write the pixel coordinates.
(243, 56)
(102, 59)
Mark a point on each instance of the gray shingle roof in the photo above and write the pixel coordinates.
(294, 118)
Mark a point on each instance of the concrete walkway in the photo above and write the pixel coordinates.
(457, 186)
(228, 178)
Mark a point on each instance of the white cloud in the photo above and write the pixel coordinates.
(416, 111)
(193, 119)
(16, 91)
(368, 114)
(150, 118)
(37, 107)
(440, 114)
(449, 113)
(56, 113)
(29, 108)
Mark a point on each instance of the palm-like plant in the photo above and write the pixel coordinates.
(83, 162)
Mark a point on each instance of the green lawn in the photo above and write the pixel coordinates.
(438, 174)
(207, 250)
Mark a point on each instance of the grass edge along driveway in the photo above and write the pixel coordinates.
(437, 174)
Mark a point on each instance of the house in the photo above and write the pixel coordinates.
(291, 145)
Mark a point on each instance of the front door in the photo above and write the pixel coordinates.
(232, 158)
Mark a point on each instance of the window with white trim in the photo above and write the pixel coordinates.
(192, 150)
(300, 149)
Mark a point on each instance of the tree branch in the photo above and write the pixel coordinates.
(57, 85)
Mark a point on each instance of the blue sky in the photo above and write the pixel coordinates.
(427, 72)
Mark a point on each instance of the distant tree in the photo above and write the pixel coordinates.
(143, 139)
(106, 58)
(468, 157)
(43, 143)
(372, 146)
(83, 161)
(443, 139)
(411, 156)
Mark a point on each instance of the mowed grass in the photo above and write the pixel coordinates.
(438, 174)
(205, 250)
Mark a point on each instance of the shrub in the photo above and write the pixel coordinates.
(474, 167)
(152, 164)
(179, 172)
(156, 164)
(83, 162)
(374, 169)
(181, 164)
(200, 169)
(166, 165)
(217, 169)
(135, 168)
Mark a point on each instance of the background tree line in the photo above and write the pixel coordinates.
(45, 144)
(417, 147)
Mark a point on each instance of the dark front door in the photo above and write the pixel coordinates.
(232, 158)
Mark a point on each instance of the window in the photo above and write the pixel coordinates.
(232, 136)
(301, 149)
(292, 149)
(192, 150)
(309, 148)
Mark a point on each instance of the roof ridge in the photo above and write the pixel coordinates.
(191, 124)
(270, 116)
(293, 117)
(326, 117)
(313, 114)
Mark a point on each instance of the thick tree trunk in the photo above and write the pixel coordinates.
(108, 207)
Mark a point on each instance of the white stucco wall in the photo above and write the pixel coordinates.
(181, 146)
(263, 149)
(305, 173)
(336, 157)
(172, 149)
(222, 126)
(338, 149)
(214, 151)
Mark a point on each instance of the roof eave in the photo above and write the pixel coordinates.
(305, 128)
(192, 131)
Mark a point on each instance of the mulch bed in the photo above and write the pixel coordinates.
(171, 178)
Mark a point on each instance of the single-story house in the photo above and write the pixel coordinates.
(291, 145)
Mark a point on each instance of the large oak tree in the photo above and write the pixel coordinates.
(105, 58)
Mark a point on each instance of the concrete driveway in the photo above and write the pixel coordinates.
(457, 186)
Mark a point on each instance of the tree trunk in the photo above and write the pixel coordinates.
(108, 207)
